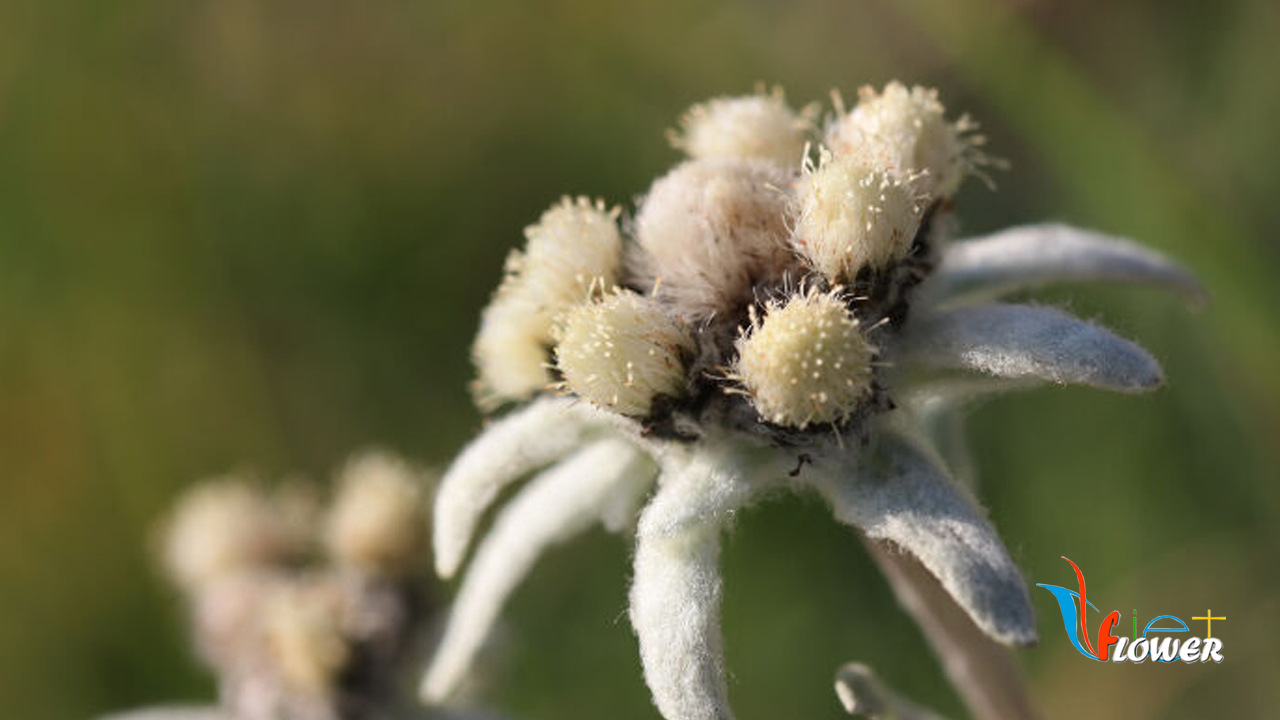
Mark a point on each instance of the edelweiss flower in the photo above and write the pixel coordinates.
(292, 634)
(783, 325)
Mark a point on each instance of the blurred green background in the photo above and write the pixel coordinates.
(257, 233)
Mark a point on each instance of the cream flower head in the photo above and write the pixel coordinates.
(574, 246)
(623, 352)
(905, 130)
(760, 126)
(853, 215)
(806, 361)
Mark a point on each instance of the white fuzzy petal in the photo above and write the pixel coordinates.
(983, 672)
(1034, 255)
(675, 596)
(709, 485)
(605, 480)
(1029, 342)
(862, 693)
(899, 495)
(174, 712)
(523, 441)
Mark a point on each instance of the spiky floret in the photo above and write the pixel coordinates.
(851, 214)
(807, 361)
(574, 244)
(710, 230)
(906, 131)
(573, 247)
(378, 523)
(622, 352)
(759, 126)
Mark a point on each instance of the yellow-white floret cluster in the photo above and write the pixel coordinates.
(852, 214)
(806, 361)
(905, 130)
(753, 213)
(760, 126)
(225, 526)
(377, 522)
(710, 230)
(622, 352)
(574, 247)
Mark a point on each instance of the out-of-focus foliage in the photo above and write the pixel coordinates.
(237, 233)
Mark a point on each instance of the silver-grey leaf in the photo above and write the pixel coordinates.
(1028, 342)
(603, 482)
(983, 672)
(1031, 256)
(525, 440)
(898, 494)
(676, 589)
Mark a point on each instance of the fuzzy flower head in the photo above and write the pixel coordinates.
(574, 247)
(708, 231)
(623, 352)
(853, 214)
(784, 326)
(378, 522)
(760, 126)
(227, 526)
(807, 361)
(906, 131)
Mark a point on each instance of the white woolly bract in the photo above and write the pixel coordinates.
(984, 672)
(574, 247)
(851, 214)
(378, 520)
(675, 593)
(603, 482)
(900, 495)
(523, 441)
(710, 230)
(760, 126)
(303, 631)
(675, 609)
(622, 351)
(1029, 342)
(225, 526)
(905, 131)
(806, 362)
(1030, 256)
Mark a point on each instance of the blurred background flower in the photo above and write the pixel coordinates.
(238, 233)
